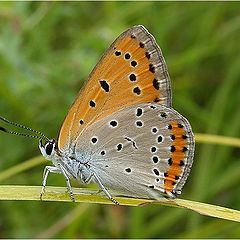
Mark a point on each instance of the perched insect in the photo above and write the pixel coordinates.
(122, 132)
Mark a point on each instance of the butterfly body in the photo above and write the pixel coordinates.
(122, 132)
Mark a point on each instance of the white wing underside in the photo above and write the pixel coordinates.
(122, 156)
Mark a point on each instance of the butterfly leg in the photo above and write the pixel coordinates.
(104, 189)
(46, 171)
(88, 179)
(68, 183)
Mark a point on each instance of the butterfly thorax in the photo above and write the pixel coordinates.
(73, 167)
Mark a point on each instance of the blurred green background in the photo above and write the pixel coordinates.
(47, 51)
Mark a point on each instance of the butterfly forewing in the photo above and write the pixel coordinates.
(132, 71)
(143, 150)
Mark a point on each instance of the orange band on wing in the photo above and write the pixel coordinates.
(177, 156)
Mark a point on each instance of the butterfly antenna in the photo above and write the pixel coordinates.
(42, 136)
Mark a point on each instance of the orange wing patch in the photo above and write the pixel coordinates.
(131, 71)
(178, 155)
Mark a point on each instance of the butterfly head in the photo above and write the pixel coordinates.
(48, 149)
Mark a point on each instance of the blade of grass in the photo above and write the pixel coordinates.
(216, 139)
(91, 196)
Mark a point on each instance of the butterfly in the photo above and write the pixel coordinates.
(121, 131)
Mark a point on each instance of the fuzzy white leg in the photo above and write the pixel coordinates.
(47, 170)
(68, 183)
(104, 189)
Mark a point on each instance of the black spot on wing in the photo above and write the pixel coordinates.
(156, 84)
(104, 85)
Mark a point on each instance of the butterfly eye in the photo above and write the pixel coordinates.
(49, 147)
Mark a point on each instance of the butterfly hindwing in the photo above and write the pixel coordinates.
(143, 150)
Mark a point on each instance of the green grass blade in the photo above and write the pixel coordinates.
(91, 196)
(216, 139)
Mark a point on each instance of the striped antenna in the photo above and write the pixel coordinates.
(42, 136)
